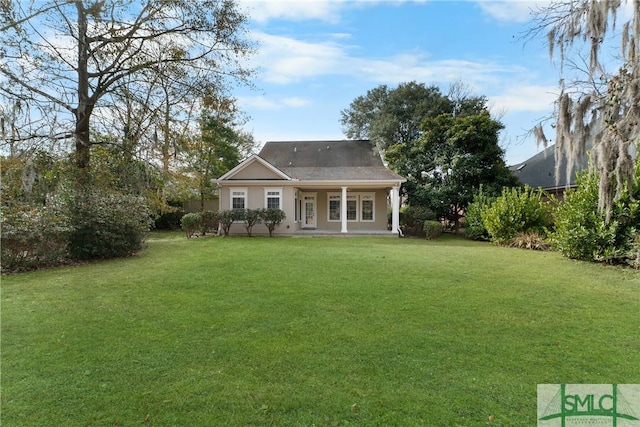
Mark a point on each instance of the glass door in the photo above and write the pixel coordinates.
(309, 211)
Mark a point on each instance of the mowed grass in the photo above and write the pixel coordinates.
(311, 331)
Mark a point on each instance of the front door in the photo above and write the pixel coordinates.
(308, 211)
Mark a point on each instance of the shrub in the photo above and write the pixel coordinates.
(432, 229)
(582, 231)
(412, 219)
(533, 241)
(191, 224)
(475, 228)
(272, 218)
(34, 237)
(107, 225)
(251, 217)
(209, 222)
(516, 210)
(225, 219)
(170, 217)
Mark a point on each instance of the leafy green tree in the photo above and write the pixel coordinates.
(445, 145)
(220, 147)
(389, 116)
(454, 157)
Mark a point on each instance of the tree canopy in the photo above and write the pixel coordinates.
(445, 145)
(69, 68)
(452, 160)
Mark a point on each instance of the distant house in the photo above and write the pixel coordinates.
(539, 171)
(324, 187)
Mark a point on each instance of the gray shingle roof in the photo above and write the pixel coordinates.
(351, 160)
(539, 170)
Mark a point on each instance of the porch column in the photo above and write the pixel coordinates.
(395, 209)
(343, 210)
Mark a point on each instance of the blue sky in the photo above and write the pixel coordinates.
(315, 57)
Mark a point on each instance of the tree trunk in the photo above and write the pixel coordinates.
(83, 111)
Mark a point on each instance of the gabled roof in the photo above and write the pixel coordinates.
(347, 160)
(252, 160)
(539, 171)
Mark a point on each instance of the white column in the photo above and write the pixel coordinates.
(343, 210)
(395, 209)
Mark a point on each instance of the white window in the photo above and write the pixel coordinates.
(360, 207)
(334, 207)
(273, 198)
(352, 207)
(238, 198)
(367, 207)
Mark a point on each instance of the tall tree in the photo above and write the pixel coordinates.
(455, 156)
(389, 116)
(70, 58)
(399, 119)
(219, 147)
(598, 107)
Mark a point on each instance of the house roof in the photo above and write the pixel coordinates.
(347, 160)
(539, 170)
(278, 174)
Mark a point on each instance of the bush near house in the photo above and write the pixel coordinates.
(272, 219)
(209, 220)
(199, 223)
(412, 219)
(251, 217)
(191, 224)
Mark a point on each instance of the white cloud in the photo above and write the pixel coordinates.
(257, 102)
(265, 103)
(511, 11)
(293, 10)
(284, 60)
(295, 101)
(526, 98)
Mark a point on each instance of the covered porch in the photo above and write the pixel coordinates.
(345, 210)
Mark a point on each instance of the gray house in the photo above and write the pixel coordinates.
(539, 171)
(324, 187)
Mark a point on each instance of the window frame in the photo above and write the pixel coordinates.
(268, 196)
(245, 197)
(335, 197)
(367, 197)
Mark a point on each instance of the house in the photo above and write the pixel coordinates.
(324, 187)
(539, 171)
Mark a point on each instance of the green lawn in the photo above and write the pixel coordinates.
(311, 331)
